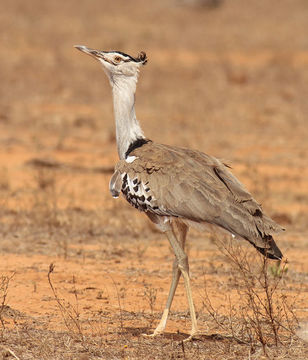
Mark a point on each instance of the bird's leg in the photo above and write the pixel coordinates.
(182, 261)
(176, 273)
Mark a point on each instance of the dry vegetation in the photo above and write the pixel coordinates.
(82, 276)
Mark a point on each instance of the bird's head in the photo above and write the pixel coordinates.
(115, 63)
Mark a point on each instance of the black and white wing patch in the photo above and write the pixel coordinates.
(139, 194)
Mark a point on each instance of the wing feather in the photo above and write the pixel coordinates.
(200, 188)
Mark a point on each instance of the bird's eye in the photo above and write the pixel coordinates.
(117, 59)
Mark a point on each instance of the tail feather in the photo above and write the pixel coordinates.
(270, 249)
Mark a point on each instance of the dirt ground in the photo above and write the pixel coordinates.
(229, 79)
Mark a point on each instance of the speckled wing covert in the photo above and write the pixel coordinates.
(188, 184)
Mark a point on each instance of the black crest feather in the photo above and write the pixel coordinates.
(142, 57)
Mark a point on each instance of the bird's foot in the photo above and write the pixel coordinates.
(161, 326)
(155, 333)
(194, 334)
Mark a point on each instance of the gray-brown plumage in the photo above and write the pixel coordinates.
(191, 185)
(176, 187)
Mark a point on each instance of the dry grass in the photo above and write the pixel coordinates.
(4, 287)
(264, 314)
(251, 330)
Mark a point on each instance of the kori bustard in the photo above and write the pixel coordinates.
(176, 187)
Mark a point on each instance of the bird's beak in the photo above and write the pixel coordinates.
(94, 53)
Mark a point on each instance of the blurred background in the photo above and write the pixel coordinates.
(229, 78)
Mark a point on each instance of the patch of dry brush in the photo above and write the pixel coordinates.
(264, 315)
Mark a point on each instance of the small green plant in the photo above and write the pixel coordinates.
(277, 270)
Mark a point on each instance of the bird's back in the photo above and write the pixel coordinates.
(188, 184)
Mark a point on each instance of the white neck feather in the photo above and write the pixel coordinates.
(127, 126)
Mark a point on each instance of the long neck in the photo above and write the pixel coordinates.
(128, 129)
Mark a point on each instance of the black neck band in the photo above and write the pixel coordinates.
(136, 144)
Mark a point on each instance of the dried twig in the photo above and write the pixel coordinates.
(263, 311)
(69, 314)
(4, 287)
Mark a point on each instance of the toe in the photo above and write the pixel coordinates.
(155, 333)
